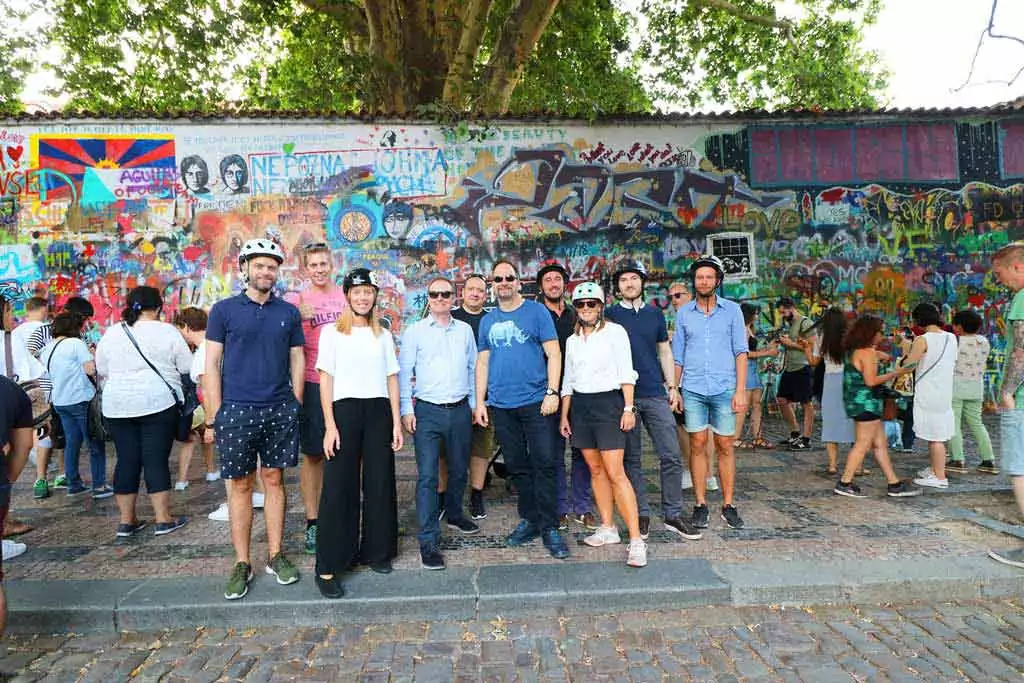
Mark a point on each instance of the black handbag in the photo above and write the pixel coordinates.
(99, 427)
(181, 432)
(58, 439)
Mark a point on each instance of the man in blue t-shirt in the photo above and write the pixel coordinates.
(652, 360)
(255, 371)
(517, 371)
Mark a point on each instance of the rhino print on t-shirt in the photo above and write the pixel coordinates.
(502, 334)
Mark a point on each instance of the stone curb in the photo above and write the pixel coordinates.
(109, 606)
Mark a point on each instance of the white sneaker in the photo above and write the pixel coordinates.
(712, 483)
(181, 486)
(212, 476)
(925, 473)
(687, 480)
(220, 514)
(13, 549)
(257, 499)
(605, 535)
(933, 481)
(637, 554)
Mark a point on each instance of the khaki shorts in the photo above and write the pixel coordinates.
(482, 445)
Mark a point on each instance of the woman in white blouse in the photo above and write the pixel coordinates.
(359, 396)
(597, 411)
(142, 360)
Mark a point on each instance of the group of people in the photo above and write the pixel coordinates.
(319, 375)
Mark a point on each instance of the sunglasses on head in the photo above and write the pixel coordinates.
(588, 303)
(507, 278)
(447, 294)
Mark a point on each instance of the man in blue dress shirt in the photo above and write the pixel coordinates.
(710, 352)
(440, 353)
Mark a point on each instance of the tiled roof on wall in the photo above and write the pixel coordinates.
(636, 117)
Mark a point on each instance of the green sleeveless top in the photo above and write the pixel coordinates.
(858, 397)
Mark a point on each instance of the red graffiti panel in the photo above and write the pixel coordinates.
(1011, 137)
(833, 152)
(764, 161)
(931, 152)
(880, 153)
(795, 159)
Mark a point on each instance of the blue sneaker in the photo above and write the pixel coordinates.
(76, 489)
(555, 544)
(522, 534)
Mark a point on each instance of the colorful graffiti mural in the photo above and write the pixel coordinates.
(872, 215)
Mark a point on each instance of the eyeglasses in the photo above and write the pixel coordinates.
(679, 295)
(315, 245)
(507, 278)
(447, 294)
(589, 303)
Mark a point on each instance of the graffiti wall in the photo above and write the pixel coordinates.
(873, 215)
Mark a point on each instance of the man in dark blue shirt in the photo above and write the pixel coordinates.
(255, 370)
(652, 360)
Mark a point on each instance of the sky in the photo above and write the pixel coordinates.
(927, 45)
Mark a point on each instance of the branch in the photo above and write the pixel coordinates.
(460, 64)
(739, 13)
(990, 31)
(348, 13)
(516, 40)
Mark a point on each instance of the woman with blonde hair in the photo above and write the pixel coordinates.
(359, 395)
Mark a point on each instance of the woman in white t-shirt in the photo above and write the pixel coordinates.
(142, 360)
(359, 396)
(598, 410)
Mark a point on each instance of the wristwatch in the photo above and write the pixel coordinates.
(629, 409)
(551, 392)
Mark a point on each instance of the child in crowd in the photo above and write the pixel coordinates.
(968, 390)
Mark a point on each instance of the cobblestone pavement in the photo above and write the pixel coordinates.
(785, 497)
(944, 642)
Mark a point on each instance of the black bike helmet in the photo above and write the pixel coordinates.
(630, 266)
(357, 277)
(553, 267)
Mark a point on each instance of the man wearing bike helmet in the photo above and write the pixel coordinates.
(710, 351)
(255, 371)
(655, 397)
(552, 279)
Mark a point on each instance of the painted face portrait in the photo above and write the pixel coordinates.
(397, 218)
(235, 174)
(195, 175)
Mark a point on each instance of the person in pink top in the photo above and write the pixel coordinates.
(319, 306)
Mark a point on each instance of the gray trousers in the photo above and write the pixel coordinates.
(656, 416)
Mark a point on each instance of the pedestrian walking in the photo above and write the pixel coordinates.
(710, 352)
(141, 361)
(796, 382)
(517, 372)
(863, 404)
(968, 393)
(755, 389)
(439, 356)
(253, 391)
(70, 365)
(934, 354)
(836, 426)
(597, 413)
(359, 394)
(655, 396)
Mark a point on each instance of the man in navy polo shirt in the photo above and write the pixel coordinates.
(255, 367)
(652, 360)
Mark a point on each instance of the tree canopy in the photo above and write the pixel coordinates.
(448, 57)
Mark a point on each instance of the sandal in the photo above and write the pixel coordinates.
(742, 445)
(760, 442)
(14, 527)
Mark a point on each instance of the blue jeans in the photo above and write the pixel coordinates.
(579, 481)
(527, 440)
(75, 420)
(454, 428)
(654, 414)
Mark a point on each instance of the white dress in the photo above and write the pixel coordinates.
(933, 389)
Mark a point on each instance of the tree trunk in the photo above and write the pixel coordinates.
(516, 41)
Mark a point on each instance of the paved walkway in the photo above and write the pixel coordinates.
(802, 544)
(944, 642)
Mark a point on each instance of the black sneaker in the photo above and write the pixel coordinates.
(126, 530)
(850, 490)
(645, 527)
(902, 490)
(682, 527)
(164, 528)
(793, 438)
(463, 525)
(986, 466)
(476, 505)
(732, 517)
(330, 588)
(958, 466)
(431, 558)
(801, 444)
(701, 516)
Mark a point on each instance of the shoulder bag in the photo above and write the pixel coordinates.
(185, 407)
(37, 389)
(53, 428)
(905, 384)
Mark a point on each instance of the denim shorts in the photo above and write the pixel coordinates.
(1011, 431)
(715, 411)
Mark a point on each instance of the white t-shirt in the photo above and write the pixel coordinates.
(359, 362)
(599, 362)
(830, 367)
(132, 388)
(198, 362)
(25, 366)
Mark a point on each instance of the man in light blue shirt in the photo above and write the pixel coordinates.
(710, 352)
(440, 353)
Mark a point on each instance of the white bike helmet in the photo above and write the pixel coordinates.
(588, 290)
(708, 261)
(260, 247)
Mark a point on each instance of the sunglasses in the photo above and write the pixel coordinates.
(678, 295)
(589, 303)
(315, 245)
(447, 294)
(507, 278)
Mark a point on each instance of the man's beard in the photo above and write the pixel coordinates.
(554, 300)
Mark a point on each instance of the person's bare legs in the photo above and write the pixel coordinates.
(684, 443)
(274, 507)
(126, 507)
(881, 447)
(699, 464)
(311, 481)
(43, 454)
(808, 420)
(240, 514)
(601, 485)
(185, 452)
(208, 458)
(726, 466)
(937, 454)
(712, 454)
(864, 438)
(161, 506)
(622, 490)
(478, 473)
(741, 418)
(788, 414)
(754, 397)
(832, 449)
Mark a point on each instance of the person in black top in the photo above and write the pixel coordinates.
(552, 281)
(15, 443)
(471, 312)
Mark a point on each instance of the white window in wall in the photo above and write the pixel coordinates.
(736, 249)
